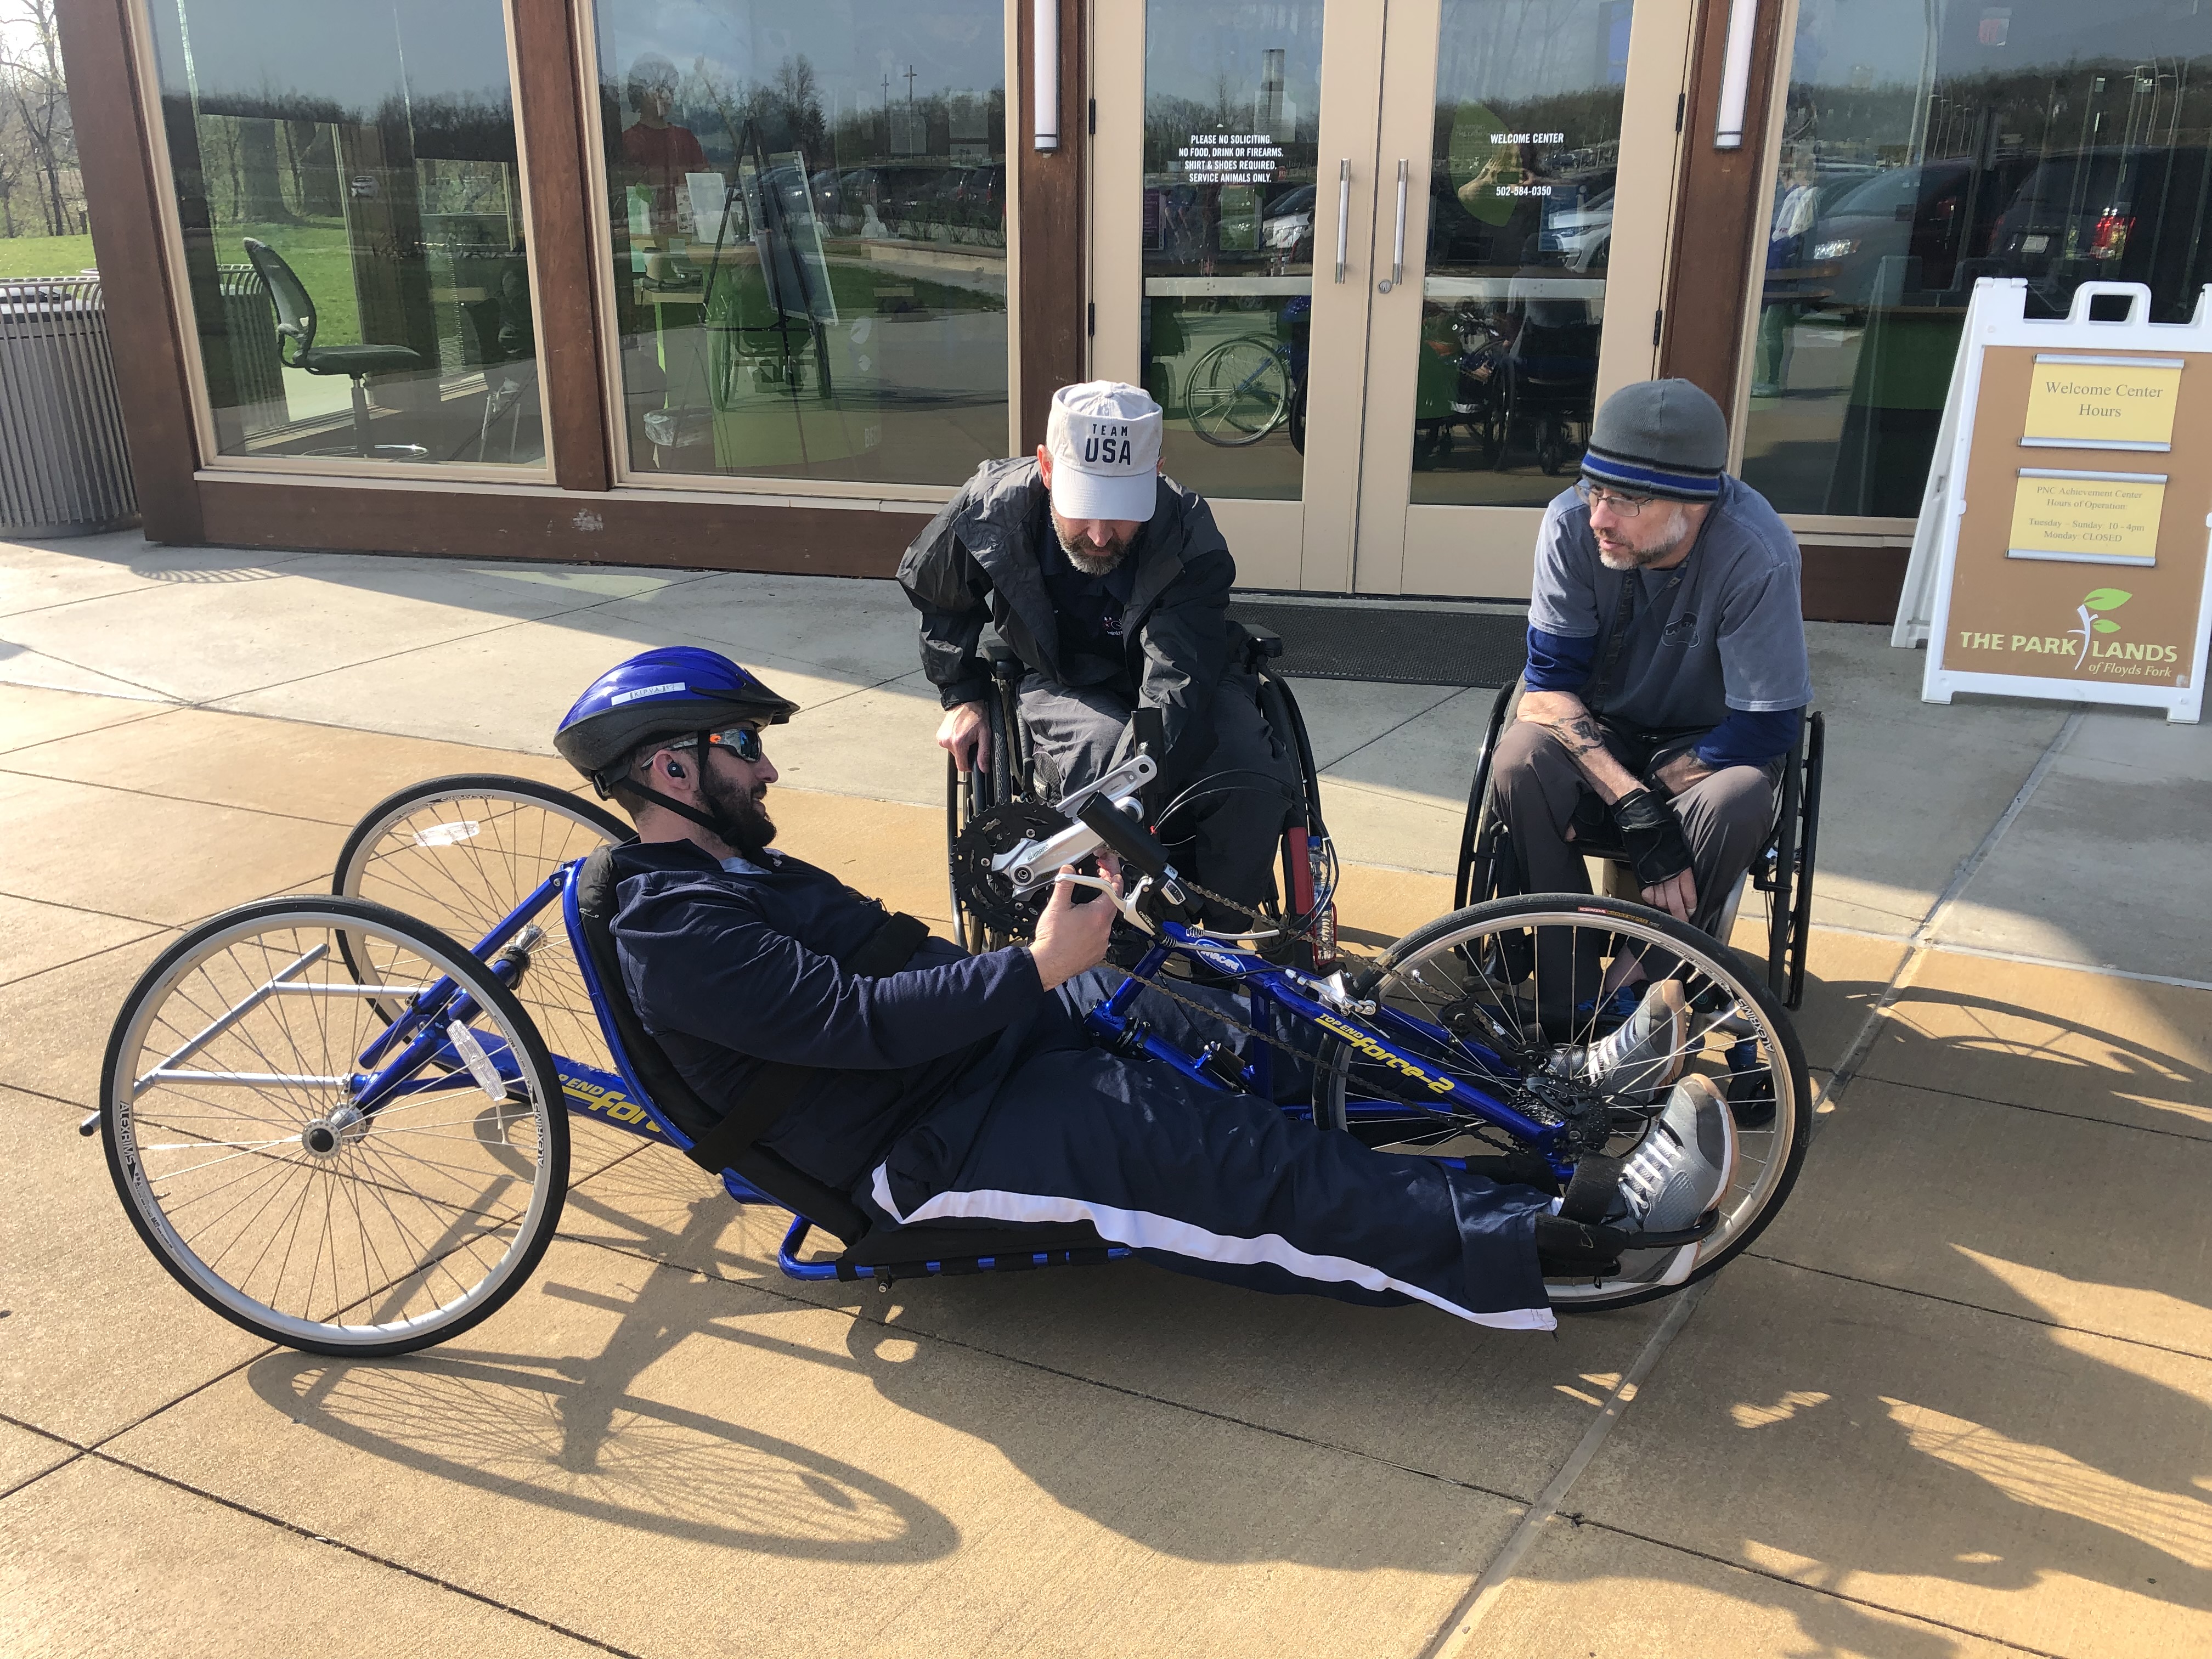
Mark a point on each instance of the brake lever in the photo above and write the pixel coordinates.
(1125, 902)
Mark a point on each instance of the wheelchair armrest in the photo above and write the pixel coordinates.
(1000, 655)
(1260, 644)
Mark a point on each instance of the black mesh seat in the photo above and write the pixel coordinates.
(295, 325)
(954, 1248)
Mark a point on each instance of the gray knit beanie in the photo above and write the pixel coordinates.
(1659, 438)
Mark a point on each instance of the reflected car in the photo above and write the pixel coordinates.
(1898, 214)
(2093, 215)
(1289, 219)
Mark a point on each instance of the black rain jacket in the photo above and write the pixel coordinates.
(976, 560)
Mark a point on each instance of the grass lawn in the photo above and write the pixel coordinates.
(44, 256)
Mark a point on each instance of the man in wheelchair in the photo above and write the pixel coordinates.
(935, 1087)
(1111, 584)
(1666, 674)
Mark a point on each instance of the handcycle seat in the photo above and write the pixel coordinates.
(646, 1063)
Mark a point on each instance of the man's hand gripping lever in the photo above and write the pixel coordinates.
(1158, 890)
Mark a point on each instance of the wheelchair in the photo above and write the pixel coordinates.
(345, 1128)
(1782, 869)
(978, 826)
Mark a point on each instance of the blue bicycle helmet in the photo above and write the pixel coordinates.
(676, 689)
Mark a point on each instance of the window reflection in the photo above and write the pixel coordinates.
(1526, 145)
(808, 218)
(354, 244)
(1924, 149)
(1232, 124)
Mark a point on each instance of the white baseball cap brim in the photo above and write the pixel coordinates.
(1080, 494)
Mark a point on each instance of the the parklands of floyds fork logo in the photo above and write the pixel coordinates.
(2090, 644)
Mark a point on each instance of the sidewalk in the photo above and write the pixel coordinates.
(1954, 1402)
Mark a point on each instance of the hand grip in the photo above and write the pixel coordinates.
(1398, 244)
(1343, 215)
(1131, 842)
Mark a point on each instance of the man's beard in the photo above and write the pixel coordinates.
(1083, 559)
(1624, 557)
(746, 826)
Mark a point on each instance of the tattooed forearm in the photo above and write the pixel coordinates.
(1575, 730)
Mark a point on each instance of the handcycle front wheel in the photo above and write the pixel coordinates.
(460, 853)
(280, 1187)
(1514, 985)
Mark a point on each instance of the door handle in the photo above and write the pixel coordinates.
(1397, 242)
(1343, 215)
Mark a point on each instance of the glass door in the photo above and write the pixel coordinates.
(1364, 255)
(1518, 267)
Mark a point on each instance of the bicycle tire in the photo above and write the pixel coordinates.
(460, 1192)
(1769, 1157)
(1217, 414)
(422, 850)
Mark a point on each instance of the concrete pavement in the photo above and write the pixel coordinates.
(1954, 1402)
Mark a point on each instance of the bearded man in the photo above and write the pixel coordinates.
(1667, 671)
(1111, 584)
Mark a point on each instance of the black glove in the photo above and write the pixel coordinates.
(1653, 836)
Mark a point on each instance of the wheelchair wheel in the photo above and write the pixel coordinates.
(282, 1186)
(1518, 979)
(460, 853)
(1238, 393)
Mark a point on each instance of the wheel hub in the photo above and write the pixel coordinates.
(327, 1137)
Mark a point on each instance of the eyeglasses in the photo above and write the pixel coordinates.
(1611, 500)
(743, 741)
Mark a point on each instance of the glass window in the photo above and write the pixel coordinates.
(354, 229)
(1527, 143)
(808, 209)
(1233, 127)
(1924, 147)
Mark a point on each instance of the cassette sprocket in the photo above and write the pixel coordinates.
(983, 893)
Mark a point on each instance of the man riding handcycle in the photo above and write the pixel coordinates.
(342, 1128)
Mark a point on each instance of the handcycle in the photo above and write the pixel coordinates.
(343, 1129)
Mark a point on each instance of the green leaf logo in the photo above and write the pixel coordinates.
(2107, 598)
(2103, 627)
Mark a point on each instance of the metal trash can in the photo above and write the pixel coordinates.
(65, 468)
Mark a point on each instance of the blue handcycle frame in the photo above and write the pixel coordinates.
(1379, 1033)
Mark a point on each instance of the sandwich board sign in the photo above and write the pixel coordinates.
(2074, 514)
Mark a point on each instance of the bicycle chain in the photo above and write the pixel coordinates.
(1427, 1108)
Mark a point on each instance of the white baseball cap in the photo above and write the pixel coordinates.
(1103, 437)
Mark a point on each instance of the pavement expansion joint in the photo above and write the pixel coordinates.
(2045, 1111)
(1976, 1307)
(156, 795)
(359, 1554)
(1817, 1589)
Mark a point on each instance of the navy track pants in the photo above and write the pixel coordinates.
(1051, 1128)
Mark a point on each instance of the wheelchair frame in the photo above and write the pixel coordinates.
(1781, 868)
(1306, 855)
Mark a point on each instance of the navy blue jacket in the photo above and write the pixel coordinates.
(730, 969)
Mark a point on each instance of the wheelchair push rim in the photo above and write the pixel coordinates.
(283, 1193)
(1736, 1034)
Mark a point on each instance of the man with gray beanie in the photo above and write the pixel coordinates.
(1667, 676)
(1111, 584)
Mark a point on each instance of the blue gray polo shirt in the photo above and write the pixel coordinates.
(1719, 638)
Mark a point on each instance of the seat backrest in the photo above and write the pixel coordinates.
(646, 1060)
(295, 310)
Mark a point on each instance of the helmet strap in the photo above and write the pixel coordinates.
(724, 831)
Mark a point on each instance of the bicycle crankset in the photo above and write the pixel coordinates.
(983, 892)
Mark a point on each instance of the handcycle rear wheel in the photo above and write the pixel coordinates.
(1480, 971)
(1238, 393)
(460, 853)
(273, 1189)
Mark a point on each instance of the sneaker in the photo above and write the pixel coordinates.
(1643, 1054)
(1683, 1165)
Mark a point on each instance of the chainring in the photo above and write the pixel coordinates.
(984, 893)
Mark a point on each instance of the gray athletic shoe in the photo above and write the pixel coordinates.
(1683, 1165)
(1645, 1053)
